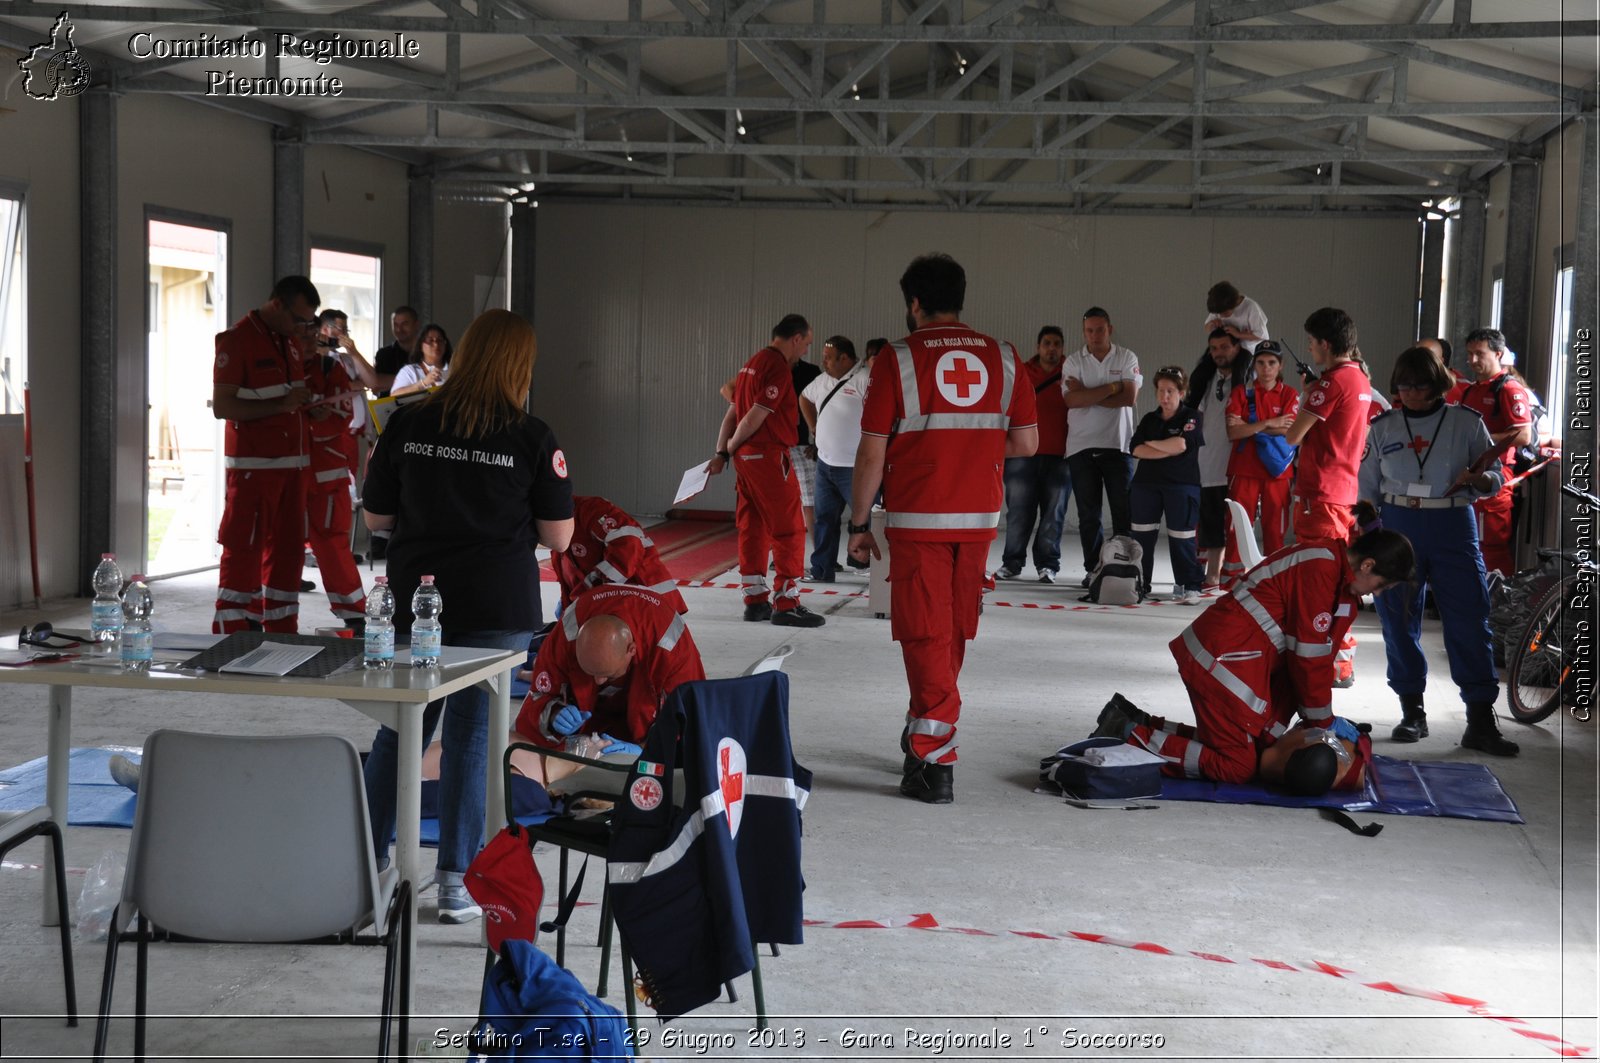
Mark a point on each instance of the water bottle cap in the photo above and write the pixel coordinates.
(380, 579)
(137, 576)
(108, 557)
(427, 579)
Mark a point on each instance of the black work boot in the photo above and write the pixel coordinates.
(1119, 717)
(1413, 724)
(1483, 734)
(930, 783)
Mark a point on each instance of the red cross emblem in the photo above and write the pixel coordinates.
(1418, 444)
(558, 462)
(961, 378)
(730, 780)
(645, 793)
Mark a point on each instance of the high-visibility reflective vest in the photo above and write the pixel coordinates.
(944, 468)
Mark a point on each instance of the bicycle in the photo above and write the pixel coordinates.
(1540, 674)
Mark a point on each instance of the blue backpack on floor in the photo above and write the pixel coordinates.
(534, 1009)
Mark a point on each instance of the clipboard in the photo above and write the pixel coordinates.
(380, 410)
(1480, 465)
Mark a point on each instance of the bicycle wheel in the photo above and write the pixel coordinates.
(1538, 660)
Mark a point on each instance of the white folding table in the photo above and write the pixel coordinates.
(395, 698)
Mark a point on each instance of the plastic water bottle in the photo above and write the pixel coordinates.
(426, 636)
(138, 640)
(380, 625)
(105, 614)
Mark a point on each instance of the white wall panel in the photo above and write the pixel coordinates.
(687, 294)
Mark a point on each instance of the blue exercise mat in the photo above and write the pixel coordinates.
(93, 800)
(1395, 787)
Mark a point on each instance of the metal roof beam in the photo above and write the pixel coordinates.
(724, 29)
(1256, 86)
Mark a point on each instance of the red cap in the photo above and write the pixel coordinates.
(505, 882)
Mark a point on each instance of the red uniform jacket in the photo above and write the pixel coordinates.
(947, 396)
(262, 365)
(767, 381)
(1503, 403)
(1277, 628)
(664, 657)
(608, 546)
(329, 444)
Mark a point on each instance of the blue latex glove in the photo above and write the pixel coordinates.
(1345, 729)
(567, 720)
(617, 745)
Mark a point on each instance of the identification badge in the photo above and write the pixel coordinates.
(1419, 490)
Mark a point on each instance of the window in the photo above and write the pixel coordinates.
(13, 324)
(1497, 294)
(349, 280)
(1555, 396)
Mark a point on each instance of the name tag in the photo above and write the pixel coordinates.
(1419, 490)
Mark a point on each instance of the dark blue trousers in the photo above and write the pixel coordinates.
(1179, 505)
(1036, 493)
(1092, 470)
(1448, 561)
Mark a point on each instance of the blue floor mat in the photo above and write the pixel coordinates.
(1395, 787)
(93, 800)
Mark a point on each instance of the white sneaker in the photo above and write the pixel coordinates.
(1177, 592)
(455, 903)
(1007, 572)
(1189, 597)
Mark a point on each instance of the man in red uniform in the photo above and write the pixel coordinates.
(756, 434)
(331, 454)
(957, 404)
(259, 387)
(1260, 655)
(1508, 415)
(609, 546)
(605, 670)
(1330, 430)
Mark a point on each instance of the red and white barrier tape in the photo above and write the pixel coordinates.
(926, 921)
(1084, 607)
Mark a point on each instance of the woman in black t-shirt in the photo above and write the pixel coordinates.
(1167, 483)
(471, 485)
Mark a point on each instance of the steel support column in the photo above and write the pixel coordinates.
(97, 206)
(1522, 230)
(1579, 346)
(1431, 296)
(420, 251)
(524, 254)
(1466, 275)
(288, 205)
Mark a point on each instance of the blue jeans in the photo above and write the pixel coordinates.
(831, 496)
(1036, 489)
(1448, 563)
(1092, 470)
(1179, 504)
(461, 770)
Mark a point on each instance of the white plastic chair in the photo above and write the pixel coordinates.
(256, 840)
(1244, 537)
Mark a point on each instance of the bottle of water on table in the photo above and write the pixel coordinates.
(105, 613)
(138, 639)
(426, 635)
(379, 652)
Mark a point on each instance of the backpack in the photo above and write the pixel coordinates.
(1116, 580)
(534, 1009)
(1526, 456)
(1100, 771)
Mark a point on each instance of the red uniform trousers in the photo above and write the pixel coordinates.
(1494, 528)
(1316, 519)
(935, 592)
(328, 520)
(263, 536)
(1222, 745)
(767, 513)
(1273, 497)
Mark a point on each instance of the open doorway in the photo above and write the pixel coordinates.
(186, 306)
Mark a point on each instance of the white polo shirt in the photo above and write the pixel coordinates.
(1091, 427)
(1246, 317)
(839, 422)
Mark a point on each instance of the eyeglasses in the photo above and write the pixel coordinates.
(41, 633)
(1413, 387)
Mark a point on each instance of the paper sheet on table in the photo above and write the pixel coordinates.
(693, 482)
(272, 658)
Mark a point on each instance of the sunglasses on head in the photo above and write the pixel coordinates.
(42, 634)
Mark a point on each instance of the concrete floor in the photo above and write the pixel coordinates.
(1496, 913)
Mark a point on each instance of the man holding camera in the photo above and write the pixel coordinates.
(332, 446)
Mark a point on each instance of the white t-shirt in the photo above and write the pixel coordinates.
(414, 373)
(1090, 427)
(839, 422)
(1214, 427)
(1246, 317)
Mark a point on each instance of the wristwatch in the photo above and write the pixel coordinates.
(723, 454)
(857, 529)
